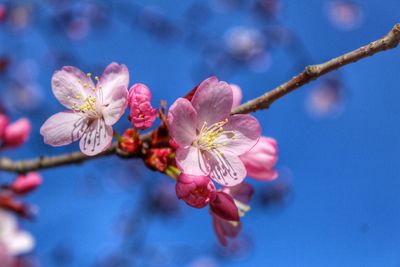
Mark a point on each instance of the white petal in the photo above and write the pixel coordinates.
(97, 138)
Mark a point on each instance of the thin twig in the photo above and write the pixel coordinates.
(310, 73)
(390, 41)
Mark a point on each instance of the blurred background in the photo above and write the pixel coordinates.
(336, 200)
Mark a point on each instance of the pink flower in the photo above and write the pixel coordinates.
(13, 242)
(261, 159)
(93, 109)
(3, 124)
(26, 183)
(142, 113)
(209, 139)
(196, 191)
(16, 133)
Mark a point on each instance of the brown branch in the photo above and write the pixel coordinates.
(391, 40)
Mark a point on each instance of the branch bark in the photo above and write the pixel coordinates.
(310, 73)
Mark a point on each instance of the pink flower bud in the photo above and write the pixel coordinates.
(26, 183)
(196, 191)
(224, 206)
(16, 133)
(3, 124)
(261, 159)
(139, 93)
(142, 114)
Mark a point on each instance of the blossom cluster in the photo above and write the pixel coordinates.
(199, 142)
(13, 241)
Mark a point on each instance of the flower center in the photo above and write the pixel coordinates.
(210, 137)
(89, 104)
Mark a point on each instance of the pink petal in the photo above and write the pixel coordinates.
(182, 119)
(116, 108)
(224, 206)
(237, 95)
(68, 86)
(241, 192)
(212, 101)
(63, 128)
(247, 132)
(191, 161)
(226, 169)
(97, 138)
(114, 76)
(263, 175)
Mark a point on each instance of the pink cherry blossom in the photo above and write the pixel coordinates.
(142, 113)
(3, 124)
(209, 139)
(261, 159)
(13, 242)
(16, 133)
(26, 183)
(196, 191)
(92, 109)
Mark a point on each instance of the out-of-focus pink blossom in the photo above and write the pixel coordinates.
(224, 206)
(261, 159)
(13, 242)
(234, 200)
(3, 124)
(196, 191)
(93, 109)
(224, 229)
(209, 139)
(26, 183)
(345, 14)
(142, 113)
(16, 133)
(3, 12)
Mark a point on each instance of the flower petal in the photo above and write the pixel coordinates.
(246, 130)
(64, 128)
(113, 111)
(182, 119)
(212, 101)
(97, 138)
(225, 168)
(20, 243)
(114, 76)
(237, 95)
(70, 85)
(191, 161)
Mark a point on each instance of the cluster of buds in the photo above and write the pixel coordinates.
(21, 186)
(226, 205)
(13, 135)
(142, 114)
